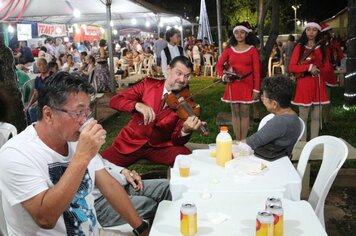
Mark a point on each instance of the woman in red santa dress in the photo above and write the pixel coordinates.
(311, 90)
(241, 58)
(335, 55)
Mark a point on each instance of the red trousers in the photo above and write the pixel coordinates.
(163, 155)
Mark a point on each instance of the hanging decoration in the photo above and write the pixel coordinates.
(204, 26)
(11, 8)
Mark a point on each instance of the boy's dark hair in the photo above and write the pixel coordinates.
(278, 88)
(169, 33)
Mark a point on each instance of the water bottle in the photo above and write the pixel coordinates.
(223, 146)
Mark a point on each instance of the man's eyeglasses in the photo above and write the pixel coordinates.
(187, 76)
(76, 114)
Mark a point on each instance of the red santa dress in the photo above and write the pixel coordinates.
(307, 90)
(243, 63)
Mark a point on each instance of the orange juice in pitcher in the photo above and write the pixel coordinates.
(223, 146)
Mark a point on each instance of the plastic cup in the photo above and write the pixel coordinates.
(212, 148)
(85, 124)
(184, 167)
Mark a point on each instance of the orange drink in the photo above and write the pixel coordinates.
(184, 171)
(223, 152)
(184, 167)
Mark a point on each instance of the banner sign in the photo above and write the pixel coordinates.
(52, 30)
(24, 32)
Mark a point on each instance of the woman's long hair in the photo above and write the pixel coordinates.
(303, 40)
(251, 38)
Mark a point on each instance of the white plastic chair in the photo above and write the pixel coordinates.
(28, 85)
(3, 228)
(208, 64)
(334, 156)
(264, 120)
(6, 129)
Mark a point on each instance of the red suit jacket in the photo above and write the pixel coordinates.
(164, 131)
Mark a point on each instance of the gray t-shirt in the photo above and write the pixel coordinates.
(281, 130)
(159, 45)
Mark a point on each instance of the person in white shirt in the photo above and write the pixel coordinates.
(137, 45)
(48, 171)
(172, 50)
(145, 195)
(197, 57)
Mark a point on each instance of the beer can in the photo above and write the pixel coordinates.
(188, 219)
(264, 223)
(277, 212)
(273, 200)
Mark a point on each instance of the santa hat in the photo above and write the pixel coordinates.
(312, 25)
(325, 27)
(245, 26)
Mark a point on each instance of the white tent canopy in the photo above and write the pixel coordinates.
(93, 12)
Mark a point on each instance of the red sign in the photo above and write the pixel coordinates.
(53, 30)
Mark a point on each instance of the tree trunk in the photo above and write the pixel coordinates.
(8, 81)
(350, 78)
(273, 34)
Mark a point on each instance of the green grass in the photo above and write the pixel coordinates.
(341, 122)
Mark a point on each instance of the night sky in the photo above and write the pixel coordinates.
(318, 10)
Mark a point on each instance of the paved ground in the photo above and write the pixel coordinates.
(340, 209)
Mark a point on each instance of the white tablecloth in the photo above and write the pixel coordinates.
(206, 175)
(240, 210)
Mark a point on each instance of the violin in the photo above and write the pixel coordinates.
(307, 59)
(182, 102)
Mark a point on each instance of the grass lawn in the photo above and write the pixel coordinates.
(341, 122)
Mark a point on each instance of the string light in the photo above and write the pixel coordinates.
(76, 13)
(10, 29)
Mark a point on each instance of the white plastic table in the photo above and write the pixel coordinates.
(206, 175)
(239, 211)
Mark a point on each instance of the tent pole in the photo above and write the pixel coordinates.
(219, 25)
(158, 21)
(181, 32)
(111, 58)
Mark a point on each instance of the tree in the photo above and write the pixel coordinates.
(8, 81)
(350, 78)
(266, 12)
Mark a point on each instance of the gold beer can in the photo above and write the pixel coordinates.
(264, 223)
(188, 219)
(277, 212)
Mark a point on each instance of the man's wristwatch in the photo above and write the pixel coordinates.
(142, 227)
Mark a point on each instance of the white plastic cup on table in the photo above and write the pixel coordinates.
(212, 149)
(184, 167)
(241, 150)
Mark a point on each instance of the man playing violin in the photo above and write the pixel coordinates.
(155, 131)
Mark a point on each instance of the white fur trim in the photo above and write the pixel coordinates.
(233, 49)
(241, 27)
(312, 25)
(243, 102)
(309, 104)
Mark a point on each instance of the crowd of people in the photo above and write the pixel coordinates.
(52, 177)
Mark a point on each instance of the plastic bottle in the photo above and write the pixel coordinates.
(223, 146)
